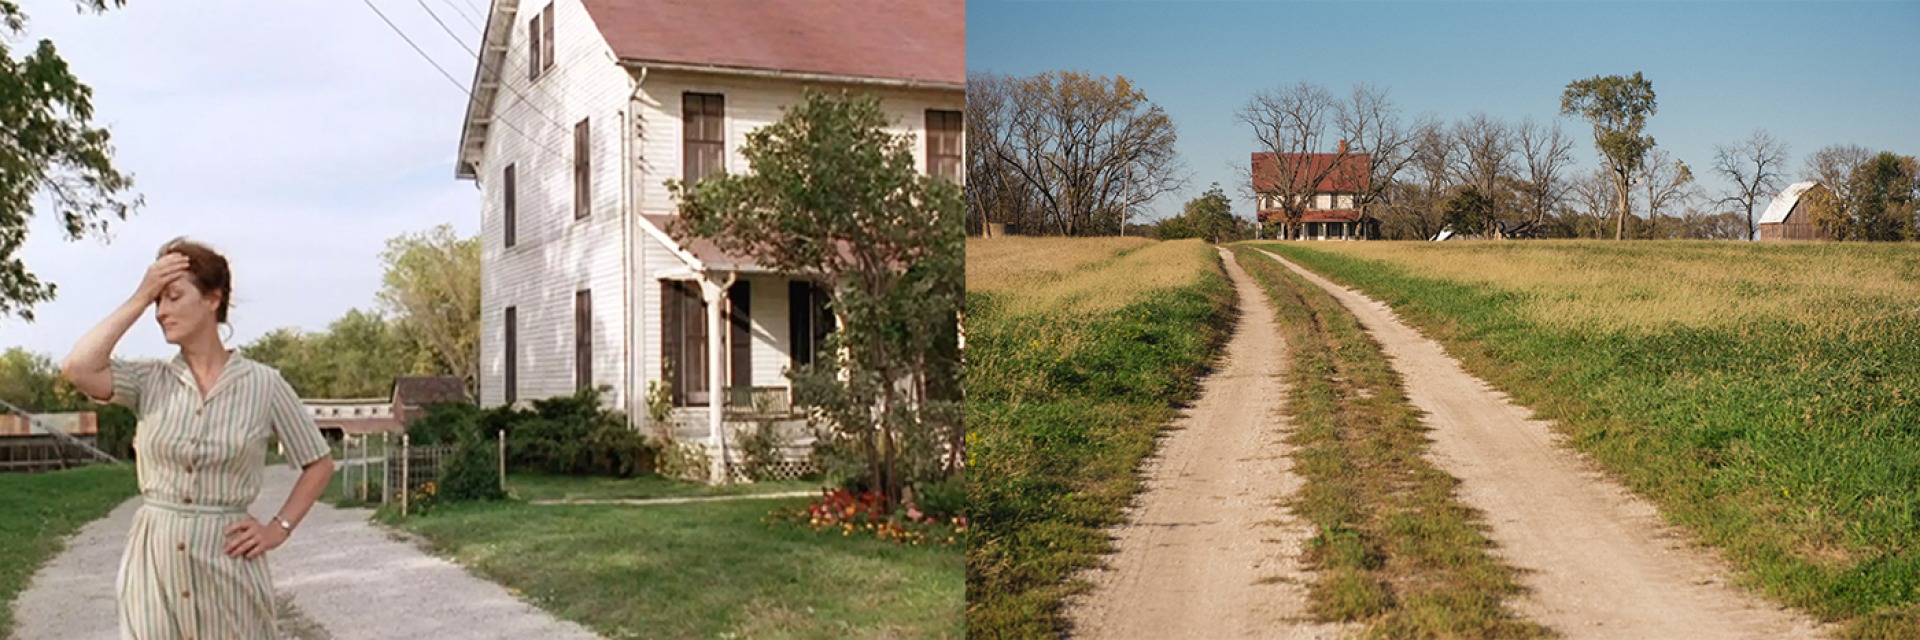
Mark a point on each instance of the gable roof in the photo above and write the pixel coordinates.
(426, 390)
(1351, 176)
(924, 41)
(1783, 203)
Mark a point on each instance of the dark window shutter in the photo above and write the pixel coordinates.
(533, 49)
(582, 170)
(740, 297)
(512, 352)
(512, 198)
(673, 340)
(800, 323)
(546, 22)
(583, 339)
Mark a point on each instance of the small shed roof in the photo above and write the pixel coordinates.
(1783, 203)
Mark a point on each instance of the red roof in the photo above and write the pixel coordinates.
(1276, 215)
(920, 41)
(1351, 176)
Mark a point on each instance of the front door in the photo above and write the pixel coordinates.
(684, 341)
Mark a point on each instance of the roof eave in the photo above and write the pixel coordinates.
(473, 136)
(793, 74)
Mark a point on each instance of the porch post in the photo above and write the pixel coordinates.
(716, 393)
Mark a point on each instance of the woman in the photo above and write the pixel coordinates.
(193, 566)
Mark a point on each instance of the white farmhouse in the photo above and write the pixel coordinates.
(583, 109)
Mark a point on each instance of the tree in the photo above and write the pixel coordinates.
(995, 193)
(1292, 122)
(1208, 217)
(1667, 184)
(1618, 108)
(1875, 202)
(1371, 124)
(1833, 166)
(1415, 205)
(1546, 153)
(1754, 166)
(1090, 151)
(432, 288)
(833, 195)
(1470, 212)
(49, 146)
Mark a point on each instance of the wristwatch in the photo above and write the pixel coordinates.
(284, 525)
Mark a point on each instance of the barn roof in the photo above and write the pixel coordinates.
(1783, 203)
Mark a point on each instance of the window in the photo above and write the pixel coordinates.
(582, 171)
(512, 197)
(683, 341)
(582, 339)
(512, 352)
(703, 116)
(534, 48)
(943, 144)
(739, 303)
(546, 41)
(809, 321)
(1325, 201)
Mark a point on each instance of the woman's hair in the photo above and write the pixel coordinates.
(208, 268)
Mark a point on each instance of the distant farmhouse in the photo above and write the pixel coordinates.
(1332, 212)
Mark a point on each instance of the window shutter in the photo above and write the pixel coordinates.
(672, 340)
(582, 170)
(533, 49)
(546, 22)
(512, 352)
(799, 323)
(583, 339)
(510, 207)
(740, 299)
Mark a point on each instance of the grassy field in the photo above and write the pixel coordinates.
(713, 570)
(1078, 353)
(1763, 395)
(39, 510)
(1394, 550)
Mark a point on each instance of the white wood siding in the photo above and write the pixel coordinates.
(752, 103)
(554, 255)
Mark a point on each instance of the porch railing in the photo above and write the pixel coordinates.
(770, 402)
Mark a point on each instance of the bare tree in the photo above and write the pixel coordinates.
(1486, 152)
(1092, 150)
(1667, 183)
(995, 193)
(1413, 201)
(1546, 153)
(1290, 123)
(1593, 197)
(1371, 125)
(1834, 165)
(1755, 166)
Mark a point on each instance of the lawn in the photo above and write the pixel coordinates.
(1764, 396)
(39, 510)
(1079, 351)
(713, 570)
(535, 486)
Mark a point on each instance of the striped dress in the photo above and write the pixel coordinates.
(199, 462)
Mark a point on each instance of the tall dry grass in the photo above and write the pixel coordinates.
(1586, 285)
(1083, 275)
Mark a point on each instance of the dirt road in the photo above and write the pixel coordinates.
(1208, 552)
(1598, 561)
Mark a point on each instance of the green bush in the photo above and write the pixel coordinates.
(945, 498)
(561, 435)
(445, 424)
(472, 472)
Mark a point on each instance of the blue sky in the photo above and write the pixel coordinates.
(296, 136)
(1812, 74)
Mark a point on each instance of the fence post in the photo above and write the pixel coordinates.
(503, 460)
(406, 483)
(366, 465)
(386, 469)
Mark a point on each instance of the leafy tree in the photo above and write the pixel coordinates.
(432, 288)
(1875, 202)
(1471, 212)
(1618, 107)
(1209, 217)
(49, 147)
(834, 196)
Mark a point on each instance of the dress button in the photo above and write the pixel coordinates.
(182, 546)
(187, 500)
(189, 468)
(184, 594)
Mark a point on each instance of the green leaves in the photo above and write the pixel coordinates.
(49, 146)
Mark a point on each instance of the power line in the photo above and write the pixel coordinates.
(483, 64)
(456, 83)
(463, 16)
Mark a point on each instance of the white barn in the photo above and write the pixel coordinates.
(583, 109)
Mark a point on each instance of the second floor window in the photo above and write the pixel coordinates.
(703, 134)
(582, 171)
(511, 197)
(540, 43)
(943, 144)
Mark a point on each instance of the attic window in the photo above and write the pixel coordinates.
(533, 49)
